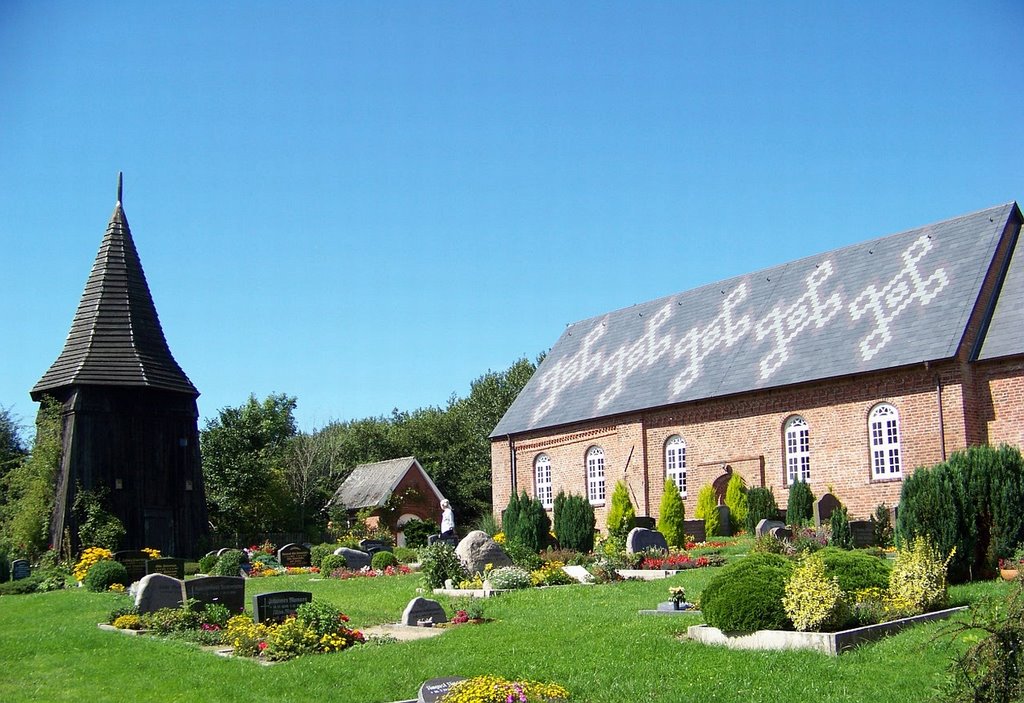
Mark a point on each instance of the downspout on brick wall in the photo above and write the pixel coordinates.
(512, 465)
(942, 425)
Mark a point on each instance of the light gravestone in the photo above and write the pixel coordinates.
(167, 566)
(20, 569)
(134, 562)
(293, 556)
(431, 691)
(824, 507)
(579, 573)
(354, 559)
(477, 550)
(157, 591)
(423, 612)
(641, 539)
(765, 526)
(278, 605)
(229, 591)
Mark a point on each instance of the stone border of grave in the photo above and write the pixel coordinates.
(647, 574)
(668, 608)
(830, 643)
(131, 633)
(473, 592)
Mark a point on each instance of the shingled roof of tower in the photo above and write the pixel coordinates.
(116, 338)
(884, 303)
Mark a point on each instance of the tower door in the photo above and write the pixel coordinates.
(159, 530)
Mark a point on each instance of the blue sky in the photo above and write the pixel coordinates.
(368, 205)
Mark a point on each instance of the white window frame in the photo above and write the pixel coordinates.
(675, 462)
(542, 480)
(595, 475)
(884, 438)
(797, 435)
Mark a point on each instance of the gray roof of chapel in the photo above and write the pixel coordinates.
(883, 303)
(1005, 335)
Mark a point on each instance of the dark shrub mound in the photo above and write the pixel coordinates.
(229, 564)
(747, 595)
(855, 570)
(104, 574)
(382, 560)
(331, 562)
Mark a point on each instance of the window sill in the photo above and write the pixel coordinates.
(598, 504)
(886, 479)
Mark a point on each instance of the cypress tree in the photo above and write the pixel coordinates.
(842, 535)
(574, 523)
(621, 514)
(531, 524)
(672, 515)
(800, 508)
(761, 505)
(707, 508)
(736, 499)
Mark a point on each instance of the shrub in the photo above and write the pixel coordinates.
(215, 614)
(89, 558)
(382, 560)
(747, 595)
(331, 562)
(416, 532)
(405, 555)
(769, 544)
(761, 505)
(621, 514)
(842, 535)
(97, 525)
(707, 510)
(814, 601)
(522, 556)
(932, 505)
(207, 563)
(881, 526)
(917, 583)
(493, 689)
(291, 638)
(229, 563)
(318, 551)
(320, 616)
(855, 570)
(488, 523)
(439, 562)
(800, 508)
(104, 574)
(574, 522)
(128, 622)
(526, 521)
(672, 515)
(509, 578)
(736, 499)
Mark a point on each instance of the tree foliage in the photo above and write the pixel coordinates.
(621, 514)
(525, 522)
(761, 505)
(574, 522)
(800, 508)
(12, 446)
(672, 516)
(707, 510)
(736, 499)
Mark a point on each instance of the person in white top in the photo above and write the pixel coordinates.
(447, 519)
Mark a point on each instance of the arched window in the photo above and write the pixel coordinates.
(884, 433)
(798, 450)
(595, 474)
(675, 462)
(542, 479)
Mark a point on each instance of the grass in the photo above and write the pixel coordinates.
(588, 638)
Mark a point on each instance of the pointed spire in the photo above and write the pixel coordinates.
(119, 187)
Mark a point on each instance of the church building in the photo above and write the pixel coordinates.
(846, 369)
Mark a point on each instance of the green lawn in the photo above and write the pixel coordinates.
(588, 638)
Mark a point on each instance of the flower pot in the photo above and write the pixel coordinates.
(676, 605)
(1008, 574)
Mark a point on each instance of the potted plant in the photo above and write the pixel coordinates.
(1009, 568)
(678, 596)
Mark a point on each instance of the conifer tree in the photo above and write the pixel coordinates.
(736, 499)
(621, 514)
(672, 516)
(707, 509)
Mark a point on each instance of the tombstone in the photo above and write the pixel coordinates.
(641, 539)
(724, 520)
(168, 566)
(354, 559)
(372, 546)
(431, 691)
(229, 591)
(477, 550)
(157, 591)
(134, 562)
(579, 573)
(781, 533)
(646, 522)
(423, 612)
(824, 507)
(220, 552)
(863, 532)
(766, 525)
(293, 555)
(695, 528)
(453, 542)
(20, 569)
(277, 605)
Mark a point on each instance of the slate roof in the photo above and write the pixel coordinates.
(370, 485)
(888, 302)
(115, 337)
(1005, 334)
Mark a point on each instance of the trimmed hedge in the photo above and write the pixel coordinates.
(382, 560)
(855, 570)
(800, 508)
(331, 562)
(104, 574)
(747, 595)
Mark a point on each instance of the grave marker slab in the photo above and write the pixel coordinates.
(641, 539)
(168, 566)
(229, 591)
(354, 559)
(781, 533)
(431, 691)
(134, 562)
(824, 507)
(277, 605)
(766, 525)
(423, 611)
(157, 591)
(863, 532)
(372, 546)
(579, 573)
(695, 528)
(20, 569)
(293, 555)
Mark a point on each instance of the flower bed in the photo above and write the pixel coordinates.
(368, 572)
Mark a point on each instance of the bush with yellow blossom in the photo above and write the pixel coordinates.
(494, 689)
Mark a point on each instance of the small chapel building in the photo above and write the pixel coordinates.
(846, 370)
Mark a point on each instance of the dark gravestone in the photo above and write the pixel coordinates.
(372, 546)
(20, 569)
(293, 555)
(434, 539)
(278, 605)
(168, 566)
(765, 526)
(824, 507)
(724, 520)
(646, 522)
(423, 611)
(640, 539)
(354, 559)
(863, 532)
(134, 562)
(781, 533)
(694, 528)
(157, 591)
(229, 591)
(432, 691)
